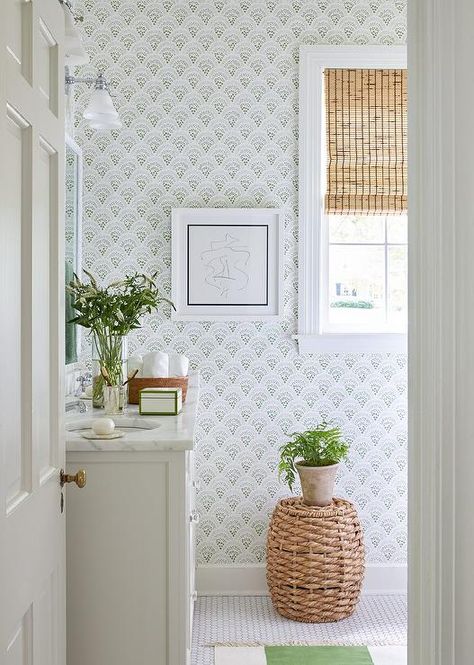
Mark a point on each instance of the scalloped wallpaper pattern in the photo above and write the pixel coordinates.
(208, 93)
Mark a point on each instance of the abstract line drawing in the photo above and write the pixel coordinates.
(226, 264)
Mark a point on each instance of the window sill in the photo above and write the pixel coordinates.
(352, 343)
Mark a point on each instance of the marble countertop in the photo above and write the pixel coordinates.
(142, 433)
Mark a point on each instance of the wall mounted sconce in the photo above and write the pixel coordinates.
(100, 112)
(74, 52)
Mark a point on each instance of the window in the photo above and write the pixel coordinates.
(363, 276)
(353, 235)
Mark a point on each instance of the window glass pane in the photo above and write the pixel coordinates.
(356, 228)
(397, 228)
(357, 285)
(397, 286)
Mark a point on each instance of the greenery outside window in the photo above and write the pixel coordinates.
(364, 273)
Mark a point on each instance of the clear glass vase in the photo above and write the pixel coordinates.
(109, 366)
(111, 397)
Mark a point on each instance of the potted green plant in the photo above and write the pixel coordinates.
(315, 455)
(110, 313)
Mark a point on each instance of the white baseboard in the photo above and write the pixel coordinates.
(250, 580)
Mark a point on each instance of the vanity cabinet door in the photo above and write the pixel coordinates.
(192, 522)
(126, 538)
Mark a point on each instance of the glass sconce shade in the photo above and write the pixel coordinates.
(105, 122)
(74, 51)
(100, 106)
(74, 54)
(100, 112)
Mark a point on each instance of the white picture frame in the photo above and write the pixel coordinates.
(227, 264)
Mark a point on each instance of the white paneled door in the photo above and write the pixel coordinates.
(32, 569)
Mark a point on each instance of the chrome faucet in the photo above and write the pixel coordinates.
(77, 406)
(83, 380)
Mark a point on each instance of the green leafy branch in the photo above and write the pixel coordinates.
(116, 309)
(322, 446)
(110, 313)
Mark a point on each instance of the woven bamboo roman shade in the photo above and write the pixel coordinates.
(366, 129)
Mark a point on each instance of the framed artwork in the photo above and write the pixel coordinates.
(227, 263)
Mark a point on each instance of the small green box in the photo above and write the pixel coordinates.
(160, 401)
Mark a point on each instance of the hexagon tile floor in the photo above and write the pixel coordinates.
(378, 620)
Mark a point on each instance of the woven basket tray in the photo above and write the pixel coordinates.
(135, 385)
(315, 560)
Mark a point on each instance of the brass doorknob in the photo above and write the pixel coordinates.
(80, 478)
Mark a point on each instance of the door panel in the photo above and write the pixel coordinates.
(45, 622)
(41, 312)
(32, 552)
(18, 38)
(16, 139)
(47, 66)
(20, 646)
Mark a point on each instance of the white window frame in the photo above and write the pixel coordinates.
(313, 61)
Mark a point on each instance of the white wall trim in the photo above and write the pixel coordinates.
(70, 143)
(313, 61)
(441, 329)
(250, 580)
(354, 343)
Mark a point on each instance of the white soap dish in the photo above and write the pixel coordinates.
(90, 434)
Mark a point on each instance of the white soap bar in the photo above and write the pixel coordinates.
(103, 426)
(155, 364)
(179, 365)
(135, 363)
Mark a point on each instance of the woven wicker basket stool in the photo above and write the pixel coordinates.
(315, 560)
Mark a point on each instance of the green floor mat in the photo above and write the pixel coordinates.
(322, 655)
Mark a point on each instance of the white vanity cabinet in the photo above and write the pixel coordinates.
(130, 543)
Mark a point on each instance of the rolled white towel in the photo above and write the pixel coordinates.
(179, 365)
(155, 364)
(135, 362)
